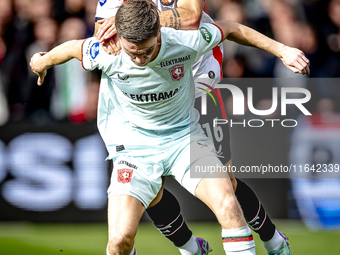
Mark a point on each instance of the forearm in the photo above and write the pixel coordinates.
(59, 55)
(180, 18)
(247, 36)
(186, 16)
(294, 59)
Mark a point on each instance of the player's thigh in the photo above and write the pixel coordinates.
(215, 187)
(159, 195)
(218, 132)
(197, 147)
(124, 214)
(216, 190)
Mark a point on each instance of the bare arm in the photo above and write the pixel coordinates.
(293, 58)
(40, 62)
(186, 16)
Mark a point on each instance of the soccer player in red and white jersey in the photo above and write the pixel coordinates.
(187, 15)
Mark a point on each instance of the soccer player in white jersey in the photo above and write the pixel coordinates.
(151, 126)
(188, 14)
(166, 214)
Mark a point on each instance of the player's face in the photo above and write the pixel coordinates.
(142, 53)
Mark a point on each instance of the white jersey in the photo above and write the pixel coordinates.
(207, 68)
(152, 104)
(109, 8)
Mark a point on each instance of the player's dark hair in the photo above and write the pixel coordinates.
(137, 20)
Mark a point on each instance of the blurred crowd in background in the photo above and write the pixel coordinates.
(70, 94)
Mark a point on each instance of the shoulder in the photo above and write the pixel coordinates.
(94, 56)
(107, 8)
(191, 38)
(172, 35)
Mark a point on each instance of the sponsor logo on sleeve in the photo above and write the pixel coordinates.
(94, 50)
(102, 2)
(206, 34)
(124, 175)
(177, 72)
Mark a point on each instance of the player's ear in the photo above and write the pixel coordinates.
(159, 32)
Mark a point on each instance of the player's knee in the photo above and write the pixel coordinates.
(227, 207)
(120, 245)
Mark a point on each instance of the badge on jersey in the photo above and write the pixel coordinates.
(124, 175)
(94, 50)
(207, 36)
(177, 72)
(102, 2)
(211, 75)
(167, 2)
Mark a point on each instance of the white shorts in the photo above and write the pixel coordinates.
(141, 177)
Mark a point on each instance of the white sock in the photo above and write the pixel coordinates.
(238, 241)
(133, 251)
(274, 243)
(190, 247)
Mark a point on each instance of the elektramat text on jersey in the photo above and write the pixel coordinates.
(153, 97)
(174, 61)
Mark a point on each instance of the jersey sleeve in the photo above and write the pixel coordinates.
(107, 8)
(93, 56)
(206, 38)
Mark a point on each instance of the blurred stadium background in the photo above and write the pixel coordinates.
(53, 176)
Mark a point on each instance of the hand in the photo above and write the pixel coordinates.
(295, 60)
(112, 45)
(107, 29)
(36, 67)
(107, 36)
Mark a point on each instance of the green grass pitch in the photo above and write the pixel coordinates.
(90, 239)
